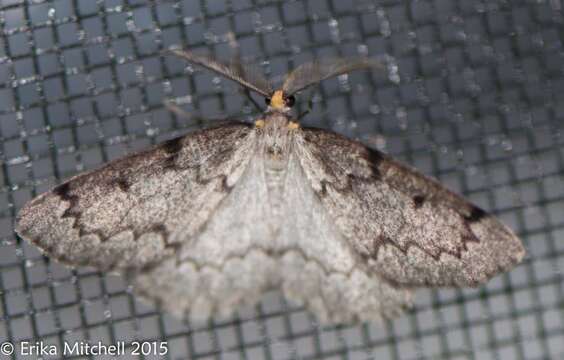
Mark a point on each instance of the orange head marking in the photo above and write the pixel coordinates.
(280, 100)
(277, 101)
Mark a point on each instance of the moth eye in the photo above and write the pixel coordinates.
(267, 101)
(290, 100)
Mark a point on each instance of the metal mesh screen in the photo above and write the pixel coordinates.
(474, 95)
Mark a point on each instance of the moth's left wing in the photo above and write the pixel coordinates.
(408, 228)
(135, 211)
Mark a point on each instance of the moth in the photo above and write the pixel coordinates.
(210, 221)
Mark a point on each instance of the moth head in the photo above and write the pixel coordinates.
(280, 101)
(304, 76)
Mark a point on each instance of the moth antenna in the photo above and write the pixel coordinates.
(237, 64)
(312, 73)
(246, 77)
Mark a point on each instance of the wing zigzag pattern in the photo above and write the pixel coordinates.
(411, 229)
(138, 181)
(273, 282)
(476, 214)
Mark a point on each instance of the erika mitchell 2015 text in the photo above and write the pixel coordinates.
(85, 348)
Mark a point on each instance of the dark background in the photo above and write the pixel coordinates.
(473, 94)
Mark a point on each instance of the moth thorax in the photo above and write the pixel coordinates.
(276, 121)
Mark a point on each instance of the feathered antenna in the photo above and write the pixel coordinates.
(311, 73)
(245, 76)
(248, 72)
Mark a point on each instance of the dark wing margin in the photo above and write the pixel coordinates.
(247, 76)
(409, 228)
(134, 211)
(311, 73)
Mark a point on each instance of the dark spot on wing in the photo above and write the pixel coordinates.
(159, 228)
(122, 184)
(323, 191)
(418, 201)
(374, 158)
(224, 186)
(172, 146)
(62, 191)
(476, 215)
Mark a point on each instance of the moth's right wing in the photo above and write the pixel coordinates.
(406, 227)
(134, 211)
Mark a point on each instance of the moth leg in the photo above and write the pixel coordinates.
(178, 111)
(309, 107)
(253, 101)
(183, 114)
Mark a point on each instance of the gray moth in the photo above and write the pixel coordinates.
(208, 222)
